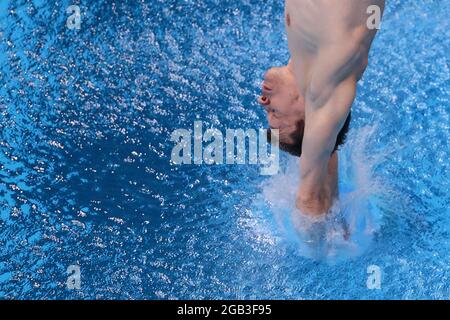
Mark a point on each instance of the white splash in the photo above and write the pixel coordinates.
(353, 220)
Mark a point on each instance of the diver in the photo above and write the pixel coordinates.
(309, 100)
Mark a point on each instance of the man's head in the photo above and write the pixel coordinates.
(285, 108)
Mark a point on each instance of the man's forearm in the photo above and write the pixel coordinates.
(319, 171)
(317, 199)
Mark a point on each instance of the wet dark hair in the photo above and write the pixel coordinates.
(296, 149)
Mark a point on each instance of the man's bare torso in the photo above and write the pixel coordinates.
(329, 30)
(318, 17)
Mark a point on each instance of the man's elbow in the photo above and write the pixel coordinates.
(316, 95)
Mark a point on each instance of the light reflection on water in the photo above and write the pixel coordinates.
(85, 121)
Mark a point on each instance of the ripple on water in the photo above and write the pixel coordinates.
(85, 121)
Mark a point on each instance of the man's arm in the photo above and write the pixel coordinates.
(325, 118)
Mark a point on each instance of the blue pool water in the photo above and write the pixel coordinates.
(86, 179)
